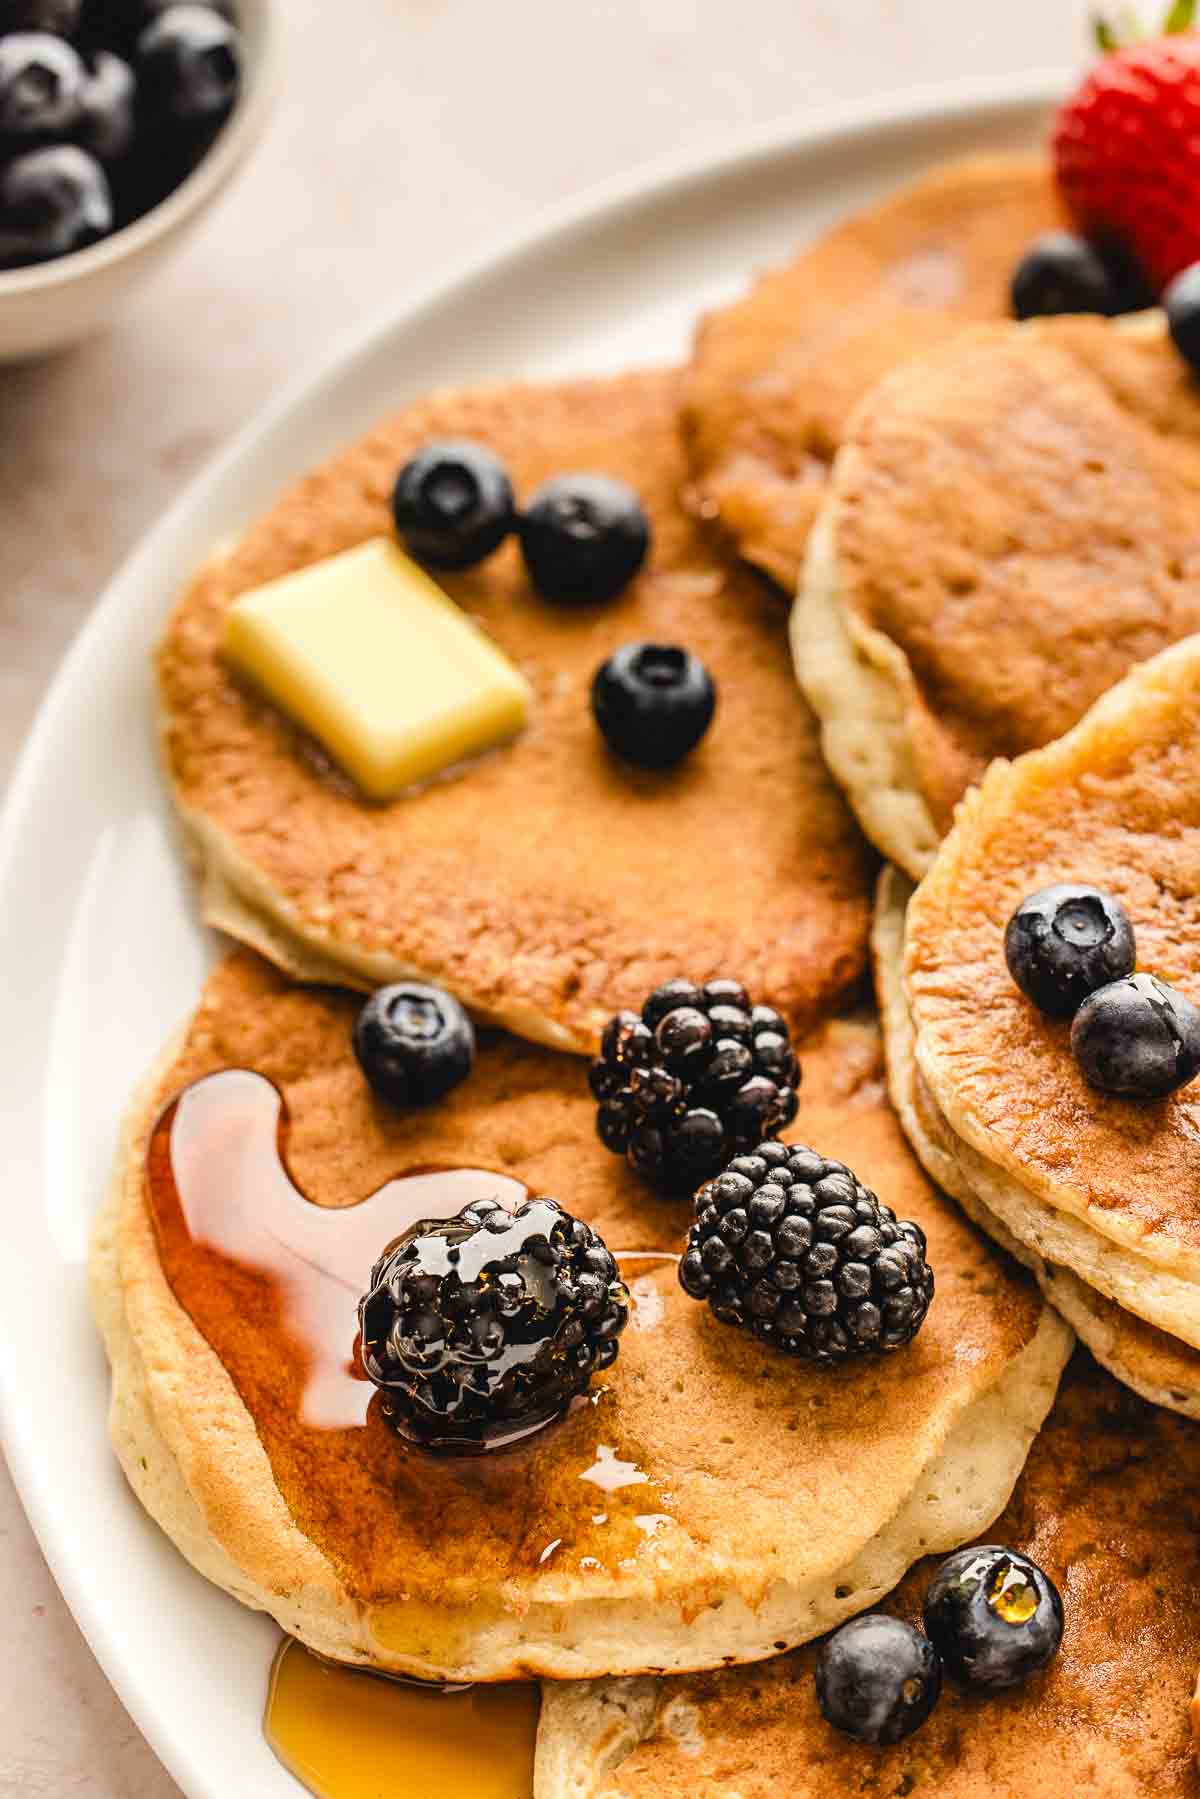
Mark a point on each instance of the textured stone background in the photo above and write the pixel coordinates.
(453, 119)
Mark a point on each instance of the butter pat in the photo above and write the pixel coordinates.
(370, 656)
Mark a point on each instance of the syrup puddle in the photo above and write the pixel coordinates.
(347, 1734)
(219, 1148)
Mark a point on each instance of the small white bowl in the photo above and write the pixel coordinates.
(55, 303)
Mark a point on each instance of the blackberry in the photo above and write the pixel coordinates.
(481, 1327)
(794, 1248)
(700, 1074)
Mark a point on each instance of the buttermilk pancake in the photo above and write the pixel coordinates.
(710, 1501)
(1011, 525)
(774, 377)
(1106, 1187)
(1106, 1506)
(1155, 1364)
(545, 883)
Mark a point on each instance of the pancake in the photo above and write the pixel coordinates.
(546, 884)
(1011, 526)
(774, 377)
(713, 1501)
(1108, 1187)
(1106, 1506)
(1156, 1365)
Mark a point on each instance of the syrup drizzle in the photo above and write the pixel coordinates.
(219, 1153)
(349, 1735)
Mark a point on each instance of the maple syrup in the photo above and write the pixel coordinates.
(218, 1161)
(272, 1280)
(346, 1734)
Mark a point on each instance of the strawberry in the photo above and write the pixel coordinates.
(1127, 146)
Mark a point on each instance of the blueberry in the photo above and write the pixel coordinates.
(52, 201)
(453, 504)
(1064, 273)
(1138, 1038)
(189, 65)
(150, 9)
(59, 16)
(994, 1617)
(413, 1043)
(584, 538)
(108, 122)
(42, 79)
(653, 702)
(878, 1679)
(1182, 304)
(1064, 942)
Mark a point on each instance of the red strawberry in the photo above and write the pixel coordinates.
(1127, 147)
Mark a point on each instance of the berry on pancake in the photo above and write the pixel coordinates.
(794, 1248)
(488, 1325)
(700, 1075)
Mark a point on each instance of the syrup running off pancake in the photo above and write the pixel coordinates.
(350, 1735)
(272, 1281)
(216, 1159)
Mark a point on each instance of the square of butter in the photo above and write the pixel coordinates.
(367, 653)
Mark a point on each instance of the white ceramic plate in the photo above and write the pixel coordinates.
(102, 952)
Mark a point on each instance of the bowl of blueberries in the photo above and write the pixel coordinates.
(120, 122)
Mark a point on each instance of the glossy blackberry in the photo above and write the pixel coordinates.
(994, 1617)
(1065, 941)
(794, 1248)
(700, 1074)
(453, 503)
(414, 1043)
(481, 1327)
(1138, 1038)
(877, 1679)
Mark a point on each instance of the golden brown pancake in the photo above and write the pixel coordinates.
(1116, 803)
(775, 376)
(756, 1500)
(1107, 1506)
(1012, 525)
(547, 884)
(1158, 1366)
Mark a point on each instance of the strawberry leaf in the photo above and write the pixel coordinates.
(1104, 34)
(1181, 17)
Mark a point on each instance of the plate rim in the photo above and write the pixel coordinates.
(651, 182)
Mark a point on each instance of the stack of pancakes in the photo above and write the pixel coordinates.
(993, 526)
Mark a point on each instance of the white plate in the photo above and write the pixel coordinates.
(102, 952)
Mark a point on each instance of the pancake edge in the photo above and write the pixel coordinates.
(859, 685)
(859, 682)
(587, 1728)
(217, 1499)
(1167, 1267)
(238, 901)
(971, 1181)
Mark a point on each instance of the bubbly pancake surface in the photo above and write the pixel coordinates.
(1106, 1506)
(774, 377)
(738, 1469)
(1115, 803)
(1158, 1366)
(546, 883)
(1014, 523)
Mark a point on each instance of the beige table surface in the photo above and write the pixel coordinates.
(409, 130)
